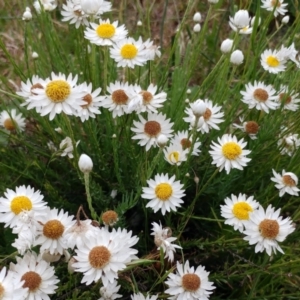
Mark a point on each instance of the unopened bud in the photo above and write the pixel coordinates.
(85, 163)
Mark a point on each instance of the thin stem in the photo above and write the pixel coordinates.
(88, 196)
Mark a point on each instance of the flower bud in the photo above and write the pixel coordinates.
(285, 19)
(237, 57)
(27, 16)
(139, 23)
(162, 140)
(85, 163)
(213, 1)
(197, 17)
(34, 55)
(197, 28)
(198, 108)
(226, 46)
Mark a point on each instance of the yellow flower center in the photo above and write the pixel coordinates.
(251, 127)
(119, 97)
(19, 204)
(88, 99)
(2, 291)
(185, 143)
(53, 229)
(9, 124)
(207, 114)
(174, 156)
(58, 90)
(99, 257)
(163, 191)
(129, 51)
(110, 217)
(152, 128)
(261, 95)
(272, 61)
(288, 180)
(269, 229)
(285, 98)
(191, 282)
(32, 280)
(147, 97)
(241, 210)
(106, 31)
(231, 150)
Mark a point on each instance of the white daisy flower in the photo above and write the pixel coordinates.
(92, 100)
(275, 6)
(105, 33)
(109, 218)
(261, 96)
(163, 239)
(73, 13)
(241, 22)
(66, 147)
(109, 292)
(208, 120)
(95, 8)
(140, 296)
(229, 153)
(288, 143)
(273, 61)
(129, 53)
(153, 50)
(266, 229)
(52, 229)
(11, 288)
(16, 202)
(182, 138)
(249, 127)
(146, 100)
(38, 276)
(27, 87)
(237, 210)
(81, 230)
(47, 5)
(58, 94)
(164, 193)
(175, 155)
(148, 130)
(189, 283)
(12, 121)
(286, 183)
(289, 99)
(104, 254)
(119, 98)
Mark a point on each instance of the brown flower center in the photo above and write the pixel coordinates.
(275, 3)
(32, 281)
(185, 143)
(53, 229)
(119, 97)
(110, 217)
(35, 86)
(285, 98)
(207, 114)
(288, 180)
(9, 124)
(261, 95)
(152, 128)
(251, 127)
(88, 99)
(99, 257)
(191, 282)
(147, 97)
(2, 291)
(269, 229)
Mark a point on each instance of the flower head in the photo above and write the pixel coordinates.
(260, 96)
(110, 291)
(189, 283)
(12, 121)
(95, 8)
(148, 130)
(288, 99)
(184, 142)
(105, 33)
(72, 12)
(288, 143)
(140, 296)
(274, 61)
(164, 193)
(266, 229)
(229, 153)
(175, 155)
(237, 210)
(104, 254)
(237, 57)
(241, 22)
(249, 127)
(275, 6)
(286, 183)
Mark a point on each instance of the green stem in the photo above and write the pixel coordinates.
(88, 196)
